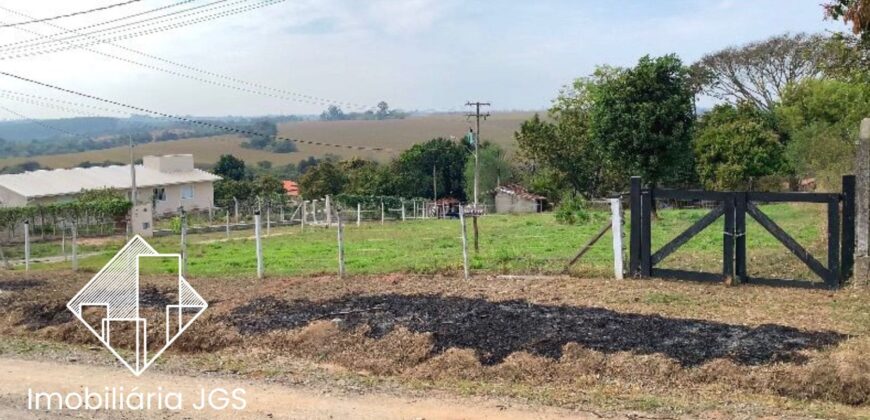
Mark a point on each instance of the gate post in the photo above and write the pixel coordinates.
(833, 277)
(862, 201)
(634, 240)
(728, 240)
(740, 237)
(646, 204)
(847, 254)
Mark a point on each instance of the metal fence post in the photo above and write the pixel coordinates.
(616, 230)
(258, 243)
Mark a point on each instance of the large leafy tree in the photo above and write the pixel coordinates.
(327, 178)
(412, 170)
(737, 146)
(559, 153)
(494, 169)
(641, 119)
(821, 118)
(759, 72)
(231, 168)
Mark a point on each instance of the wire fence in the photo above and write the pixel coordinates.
(302, 238)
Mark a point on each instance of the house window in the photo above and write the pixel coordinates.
(187, 192)
(160, 194)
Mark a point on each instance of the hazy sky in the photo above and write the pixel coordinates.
(415, 54)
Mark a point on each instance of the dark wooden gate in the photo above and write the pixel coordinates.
(734, 206)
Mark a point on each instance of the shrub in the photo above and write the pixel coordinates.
(572, 209)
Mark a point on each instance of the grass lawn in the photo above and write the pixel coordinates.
(508, 244)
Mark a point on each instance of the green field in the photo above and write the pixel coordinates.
(516, 244)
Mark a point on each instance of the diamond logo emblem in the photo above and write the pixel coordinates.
(137, 322)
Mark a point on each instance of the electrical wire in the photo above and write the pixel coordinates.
(83, 12)
(281, 93)
(44, 125)
(106, 22)
(193, 121)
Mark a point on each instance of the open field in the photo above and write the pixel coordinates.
(392, 134)
(510, 244)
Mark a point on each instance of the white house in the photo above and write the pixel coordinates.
(170, 181)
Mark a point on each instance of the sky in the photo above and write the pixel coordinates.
(413, 54)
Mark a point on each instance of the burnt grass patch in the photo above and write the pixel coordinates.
(19, 285)
(494, 330)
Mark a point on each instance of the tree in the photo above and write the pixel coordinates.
(494, 170)
(854, 12)
(367, 178)
(325, 178)
(736, 146)
(821, 118)
(759, 72)
(383, 111)
(333, 113)
(412, 169)
(231, 167)
(560, 153)
(641, 120)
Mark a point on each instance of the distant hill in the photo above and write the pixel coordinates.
(397, 135)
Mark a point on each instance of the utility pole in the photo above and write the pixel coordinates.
(475, 136)
(133, 188)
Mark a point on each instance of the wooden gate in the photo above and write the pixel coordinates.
(734, 206)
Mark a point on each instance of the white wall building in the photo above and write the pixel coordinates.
(170, 181)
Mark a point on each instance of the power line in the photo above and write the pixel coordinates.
(106, 22)
(83, 12)
(193, 121)
(155, 20)
(148, 32)
(283, 94)
(41, 124)
(476, 137)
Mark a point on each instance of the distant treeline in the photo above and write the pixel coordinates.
(383, 112)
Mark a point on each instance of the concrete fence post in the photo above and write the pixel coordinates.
(616, 231)
(340, 244)
(228, 223)
(358, 214)
(183, 243)
(862, 207)
(75, 248)
(258, 244)
(464, 242)
(27, 245)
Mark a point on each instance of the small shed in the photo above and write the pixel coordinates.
(515, 198)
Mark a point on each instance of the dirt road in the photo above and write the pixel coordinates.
(263, 400)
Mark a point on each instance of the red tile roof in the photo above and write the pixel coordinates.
(291, 187)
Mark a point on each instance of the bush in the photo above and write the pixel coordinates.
(573, 209)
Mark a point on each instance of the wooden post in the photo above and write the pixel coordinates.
(183, 242)
(75, 248)
(258, 244)
(616, 230)
(740, 273)
(340, 245)
(464, 241)
(833, 280)
(634, 240)
(728, 242)
(861, 266)
(27, 245)
(847, 252)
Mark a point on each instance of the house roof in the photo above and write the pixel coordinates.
(46, 183)
(291, 187)
(519, 191)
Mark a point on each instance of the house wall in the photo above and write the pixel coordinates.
(509, 203)
(203, 198)
(10, 198)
